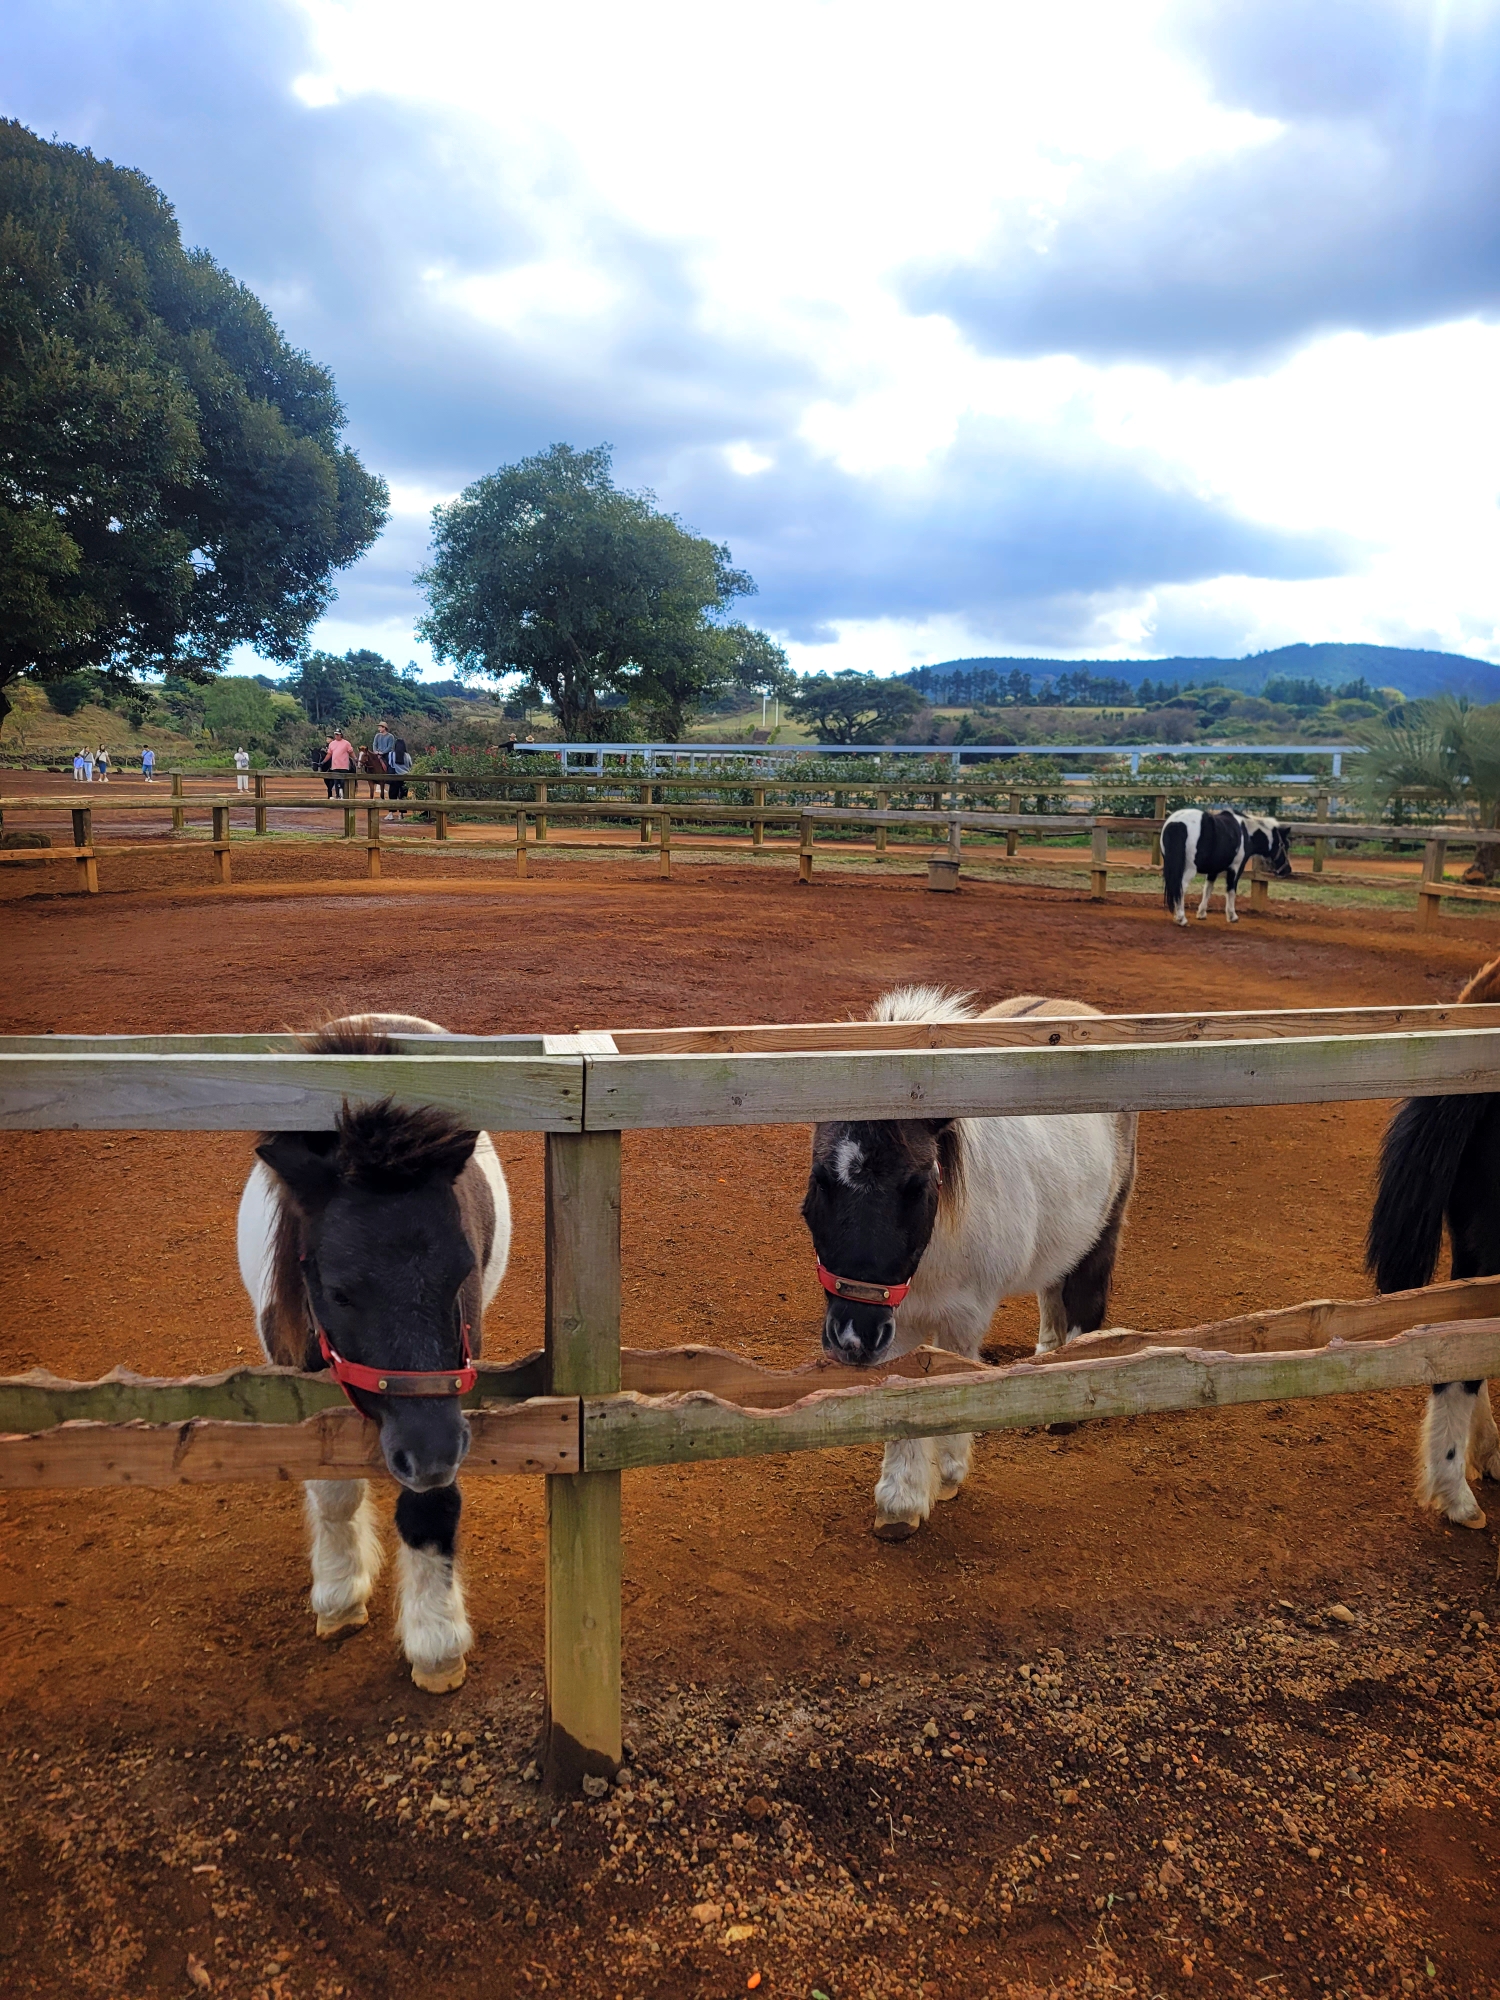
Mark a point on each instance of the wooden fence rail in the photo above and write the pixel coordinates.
(583, 1412)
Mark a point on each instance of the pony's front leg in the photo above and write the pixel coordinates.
(1231, 883)
(907, 1486)
(343, 1531)
(1208, 889)
(431, 1621)
(1442, 1455)
(1052, 1320)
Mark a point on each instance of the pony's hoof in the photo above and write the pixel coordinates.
(897, 1527)
(331, 1623)
(1475, 1520)
(443, 1678)
(950, 1491)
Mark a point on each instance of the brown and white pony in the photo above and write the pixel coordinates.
(922, 1226)
(1440, 1162)
(374, 1249)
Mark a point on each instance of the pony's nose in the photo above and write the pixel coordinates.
(844, 1341)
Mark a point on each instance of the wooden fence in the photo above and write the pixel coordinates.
(582, 1411)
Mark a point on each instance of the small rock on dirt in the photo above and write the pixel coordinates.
(199, 1974)
(595, 1788)
(707, 1913)
(1341, 1614)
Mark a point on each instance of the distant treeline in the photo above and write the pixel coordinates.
(981, 686)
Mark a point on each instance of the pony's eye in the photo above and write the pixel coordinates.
(339, 1298)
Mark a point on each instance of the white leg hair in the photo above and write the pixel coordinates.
(431, 1621)
(1231, 914)
(1052, 1320)
(915, 1473)
(1203, 899)
(343, 1531)
(1443, 1454)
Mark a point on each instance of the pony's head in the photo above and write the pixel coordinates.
(375, 1234)
(872, 1202)
(1267, 838)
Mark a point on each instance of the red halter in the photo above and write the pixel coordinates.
(401, 1381)
(858, 1290)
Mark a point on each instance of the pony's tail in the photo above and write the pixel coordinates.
(1419, 1160)
(1173, 862)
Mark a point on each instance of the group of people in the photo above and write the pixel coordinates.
(91, 764)
(384, 762)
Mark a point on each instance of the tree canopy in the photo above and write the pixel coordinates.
(333, 688)
(548, 571)
(851, 707)
(172, 478)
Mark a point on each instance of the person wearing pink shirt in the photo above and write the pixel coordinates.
(340, 756)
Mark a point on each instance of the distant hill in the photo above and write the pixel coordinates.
(1414, 672)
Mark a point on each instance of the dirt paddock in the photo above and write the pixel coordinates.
(1095, 1730)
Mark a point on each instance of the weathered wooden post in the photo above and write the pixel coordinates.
(1099, 860)
(942, 872)
(260, 802)
(83, 840)
(1013, 834)
(440, 818)
(805, 849)
(372, 843)
(351, 811)
(646, 791)
(221, 842)
(664, 848)
(1320, 845)
(521, 844)
(882, 833)
(540, 795)
(758, 827)
(581, 1726)
(179, 821)
(1159, 814)
(1260, 884)
(1430, 888)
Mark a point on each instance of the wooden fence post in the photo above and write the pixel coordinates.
(646, 791)
(372, 843)
(521, 844)
(1099, 861)
(351, 811)
(439, 793)
(1429, 889)
(83, 837)
(178, 817)
(540, 795)
(664, 848)
(221, 842)
(1159, 814)
(260, 802)
(882, 833)
(1320, 846)
(581, 1726)
(758, 827)
(805, 849)
(1013, 835)
(1260, 884)
(942, 871)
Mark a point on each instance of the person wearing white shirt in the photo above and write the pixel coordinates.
(242, 767)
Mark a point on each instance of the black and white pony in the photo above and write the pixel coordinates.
(1211, 844)
(1440, 1161)
(922, 1226)
(374, 1249)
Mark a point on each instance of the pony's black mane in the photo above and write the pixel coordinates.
(387, 1145)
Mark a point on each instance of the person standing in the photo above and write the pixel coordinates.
(88, 766)
(340, 755)
(77, 767)
(242, 769)
(102, 765)
(148, 765)
(398, 763)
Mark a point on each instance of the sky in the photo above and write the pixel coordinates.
(1110, 328)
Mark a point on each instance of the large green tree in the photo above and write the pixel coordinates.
(1447, 748)
(549, 571)
(851, 707)
(333, 688)
(172, 478)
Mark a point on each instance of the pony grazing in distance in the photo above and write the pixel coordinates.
(1211, 844)
(373, 1250)
(922, 1226)
(1440, 1161)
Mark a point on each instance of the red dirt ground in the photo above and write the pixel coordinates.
(139, 1629)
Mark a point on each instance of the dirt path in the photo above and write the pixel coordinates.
(138, 1628)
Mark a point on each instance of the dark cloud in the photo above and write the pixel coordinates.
(335, 217)
(1374, 208)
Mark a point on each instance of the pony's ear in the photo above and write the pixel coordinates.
(303, 1161)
